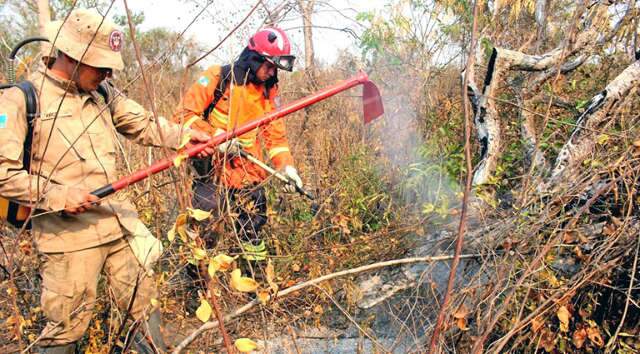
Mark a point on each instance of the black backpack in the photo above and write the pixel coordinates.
(15, 213)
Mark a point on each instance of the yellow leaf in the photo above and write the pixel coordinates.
(213, 267)
(199, 253)
(602, 138)
(224, 261)
(263, 296)
(243, 284)
(204, 311)
(270, 275)
(245, 345)
(155, 303)
(171, 235)
(178, 159)
(182, 231)
(564, 316)
(198, 214)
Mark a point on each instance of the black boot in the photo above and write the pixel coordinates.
(154, 341)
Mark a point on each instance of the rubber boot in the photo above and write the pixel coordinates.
(154, 342)
(59, 349)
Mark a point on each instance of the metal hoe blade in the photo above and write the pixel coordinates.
(371, 102)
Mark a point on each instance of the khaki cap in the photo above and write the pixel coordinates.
(79, 30)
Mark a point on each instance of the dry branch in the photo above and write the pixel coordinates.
(239, 311)
(581, 143)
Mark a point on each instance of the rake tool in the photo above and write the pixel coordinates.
(372, 109)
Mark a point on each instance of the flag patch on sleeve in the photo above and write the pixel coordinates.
(3, 120)
(204, 81)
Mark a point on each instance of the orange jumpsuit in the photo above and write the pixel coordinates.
(239, 105)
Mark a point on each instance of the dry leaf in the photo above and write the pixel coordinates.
(171, 235)
(213, 268)
(569, 237)
(155, 303)
(564, 316)
(245, 345)
(198, 214)
(461, 312)
(220, 262)
(548, 340)
(595, 337)
(536, 324)
(609, 229)
(199, 253)
(270, 275)
(579, 337)
(224, 261)
(178, 226)
(460, 317)
(636, 143)
(318, 309)
(177, 161)
(263, 296)
(204, 311)
(243, 284)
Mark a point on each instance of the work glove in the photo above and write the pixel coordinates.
(292, 174)
(230, 147)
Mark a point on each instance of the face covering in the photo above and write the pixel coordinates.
(246, 67)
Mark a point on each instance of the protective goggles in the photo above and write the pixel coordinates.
(284, 62)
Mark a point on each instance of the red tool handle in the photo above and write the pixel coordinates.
(360, 78)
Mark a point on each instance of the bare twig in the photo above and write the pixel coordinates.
(227, 36)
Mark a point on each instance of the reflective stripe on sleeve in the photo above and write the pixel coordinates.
(220, 117)
(276, 150)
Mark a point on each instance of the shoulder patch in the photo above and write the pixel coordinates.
(204, 81)
(3, 120)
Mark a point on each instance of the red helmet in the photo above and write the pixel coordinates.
(273, 44)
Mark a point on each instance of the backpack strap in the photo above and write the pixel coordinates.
(104, 89)
(218, 92)
(203, 166)
(31, 100)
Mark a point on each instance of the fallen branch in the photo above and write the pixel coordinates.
(239, 311)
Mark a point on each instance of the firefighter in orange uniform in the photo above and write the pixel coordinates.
(230, 96)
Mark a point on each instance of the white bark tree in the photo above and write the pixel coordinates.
(568, 56)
